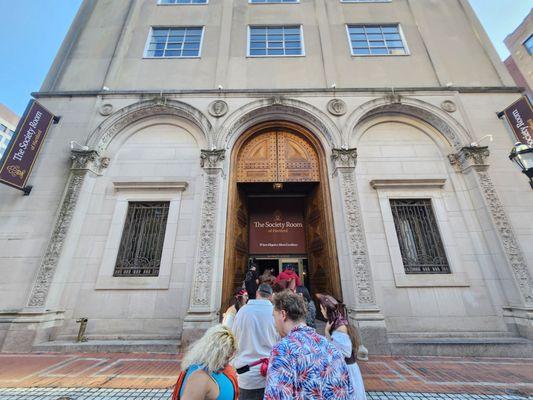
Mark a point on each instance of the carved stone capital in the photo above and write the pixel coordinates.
(88, 160)
(470, 157)
(212, 159)
(344, 158)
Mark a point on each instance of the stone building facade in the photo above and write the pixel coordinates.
(360, 108)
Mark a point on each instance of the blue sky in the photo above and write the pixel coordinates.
(32, 31)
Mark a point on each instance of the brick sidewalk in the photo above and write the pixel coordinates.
(489, 376)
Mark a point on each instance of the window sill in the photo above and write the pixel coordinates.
(430, 280)
(161, 282)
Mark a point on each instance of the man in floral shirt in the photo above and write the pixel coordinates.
(303, 365)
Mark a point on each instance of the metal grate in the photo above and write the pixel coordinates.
(420, 242)
(141, 245)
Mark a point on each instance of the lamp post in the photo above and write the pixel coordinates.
(522, 156)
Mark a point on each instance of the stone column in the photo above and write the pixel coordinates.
(35, 320)
(364, 310)
(473, 158)
(202, 312)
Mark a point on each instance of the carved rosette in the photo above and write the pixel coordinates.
(212, 158)
(344, 161)
(211, 161)
(510, 243)
(82, 162)
(470, 157)
(337, 107)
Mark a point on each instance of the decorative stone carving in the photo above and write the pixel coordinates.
(510, 243)
(337, 107)
(470, 157)
(393, 98)
(212, 158)
(344, 161)
(344, 158)
(448, 106)
(106, 109)
(218, 108)
(82, 162)
(201, 291)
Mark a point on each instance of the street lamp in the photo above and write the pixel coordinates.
(522, 156)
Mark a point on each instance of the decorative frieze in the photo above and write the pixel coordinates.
(344, 161)
(82, 162)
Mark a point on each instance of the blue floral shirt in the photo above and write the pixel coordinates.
(304, 365)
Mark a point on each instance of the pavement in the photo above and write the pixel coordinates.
(132, 376)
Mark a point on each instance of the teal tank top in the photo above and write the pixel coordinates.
(225, 386)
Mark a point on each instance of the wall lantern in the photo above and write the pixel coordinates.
(522, 155)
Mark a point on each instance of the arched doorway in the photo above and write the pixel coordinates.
(279, 208)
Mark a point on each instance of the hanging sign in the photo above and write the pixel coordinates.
(26, 143)
(520, 117)
(277, 225)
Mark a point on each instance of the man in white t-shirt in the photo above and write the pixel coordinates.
(256, 334)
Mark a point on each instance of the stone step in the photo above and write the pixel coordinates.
(110, 346)
(462, 347)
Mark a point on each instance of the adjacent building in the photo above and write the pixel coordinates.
(8, 124)
(520, 62)
(356, 140)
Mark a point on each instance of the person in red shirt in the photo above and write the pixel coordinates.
(289, 274)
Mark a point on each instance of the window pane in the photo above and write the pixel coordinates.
(379, 51)
(376, 41)
(361, 51)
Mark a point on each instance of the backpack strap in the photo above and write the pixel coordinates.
(178, 385)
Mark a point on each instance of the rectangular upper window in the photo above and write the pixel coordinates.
(368, 40)
(273, 1)
(366, 1)
(182, 2)
(179, 42)
(275, 41)
(529, 44)
(418, 236)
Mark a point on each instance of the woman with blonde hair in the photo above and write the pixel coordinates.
(344, 337)
(206, 373)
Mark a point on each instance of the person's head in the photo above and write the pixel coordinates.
(214, 350)
(335, 313)
(290, 310)
(264, 291)
(289, 267)
(239, 299)
(302, 291)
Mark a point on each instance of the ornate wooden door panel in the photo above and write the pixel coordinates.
(297, 159)
(258, 159)
(277, 156)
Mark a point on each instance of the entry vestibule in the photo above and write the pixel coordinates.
(279, 208)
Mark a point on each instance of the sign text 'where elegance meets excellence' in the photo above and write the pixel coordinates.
(277, 225)
(29, 136)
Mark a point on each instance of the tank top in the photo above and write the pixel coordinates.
(225, 386)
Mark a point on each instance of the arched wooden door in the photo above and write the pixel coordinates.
(281, 152)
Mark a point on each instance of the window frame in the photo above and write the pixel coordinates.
(275, 2)
(150, 35)
(182, 4)
(400, 32)
(248, 41)
(366, 1)
(530, 37)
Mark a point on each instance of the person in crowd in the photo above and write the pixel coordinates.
(303, 365)
(344, 337)
(267, 277)
(251, 280)
(256, 334)
(206, 373)
(288, 274)
(237, 302)
(311, 308)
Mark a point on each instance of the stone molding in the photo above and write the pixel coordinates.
(344, 161)
(203, 271)
(408, 183)
(470, 157)
(83, 161)
(278, 107)
(102, 136)
(150, 185)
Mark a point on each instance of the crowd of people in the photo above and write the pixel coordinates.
(267, 347)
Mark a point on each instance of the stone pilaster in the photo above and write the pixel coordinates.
(202, 307)
(365, 310)
(473, 158)
(35, 317)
